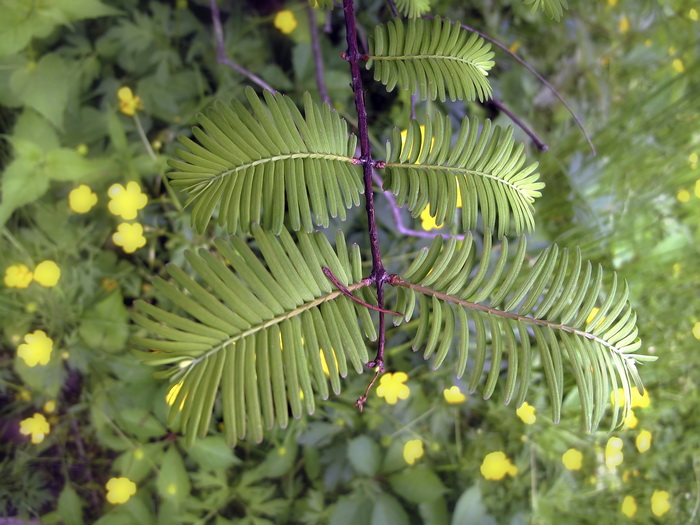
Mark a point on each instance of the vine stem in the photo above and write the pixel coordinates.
(379, 275)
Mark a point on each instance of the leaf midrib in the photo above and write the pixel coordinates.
(472, 63)
(429, 167)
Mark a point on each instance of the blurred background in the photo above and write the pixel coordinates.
(92, 97)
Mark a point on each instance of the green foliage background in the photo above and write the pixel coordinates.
(61, 64)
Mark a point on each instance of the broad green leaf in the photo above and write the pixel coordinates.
(351, 511)
(105, 326)
(470, 508)
(417, 484)
(173, 481)
(70, 506)
(388, 511)
(364, 455)
(23, 181)
(213, 453)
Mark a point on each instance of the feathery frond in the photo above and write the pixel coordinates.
(553, 8)
(256, 165)
(258, 332)
(433, 58)
(485, 168)
(412, 8)
(552, 303)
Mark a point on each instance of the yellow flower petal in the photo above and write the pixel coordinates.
(696, 331)
(428, 221)
(47, 273)
(285, 21)
(629, 506)
(412, 450)
(129, 237)
(659, 503)
(526, 412)
(572, 459)
(125, 202)
(496, 465)
(677, 65)
(18, 276)
(391, 387)
(119, 490)
(37, 426)
(453, 395)
(624, 25)
(643, 441)
(129, 104)
(82, 199)
(37, 348)
(613, 452)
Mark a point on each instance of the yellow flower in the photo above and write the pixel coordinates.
(629, 506)
(108, 284)
(612, 3)
(526, 412)
(428, 220)
(37, 348)
(693, 160)
(285, 21)
(324, 363)
(412, 450)
(637, 399)
(697, 187)
(453, 395)
(496, 465)
(572, 459)
(624, 25)
(50, 407)
(125, 202)
(171, 396)
(129, 103)
(391, 387)
(693, 14)
(613, 452)
(119, 490)
(696, 331)
(129, 237)
(47, 273)
(82, 199)
(677, 65)
(514, 47)
(659, 503)
(18, 276)
(631, 420)
(36, 426)
(643, 441)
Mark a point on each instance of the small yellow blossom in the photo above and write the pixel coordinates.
(613, 452)
(591, 316)
(612, 3)
(125, 202)
(693, 160)
(624, 25)
(683, 196)
(629, 506)
(82, 199)
(697, 188)
(647, 42)
(119, 490)
(171, 396)
(643, 441)
(129, 103)
(677, 65)
(526, 412)
(37, 348)
(631, 420)
(696, 331)
(108, 284)
(17, 276)
(428, 221)
(637, 399)
(285, 21)
(24, 395)
(412, 450)
(324, 363)
(50, 407)
(659, 503)
(129, 237)
(47, 273)
(514, 47)
(693, 14)
(36, 426)
(496, 465)
(392, 388)
(572, 459)
(453, 395)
